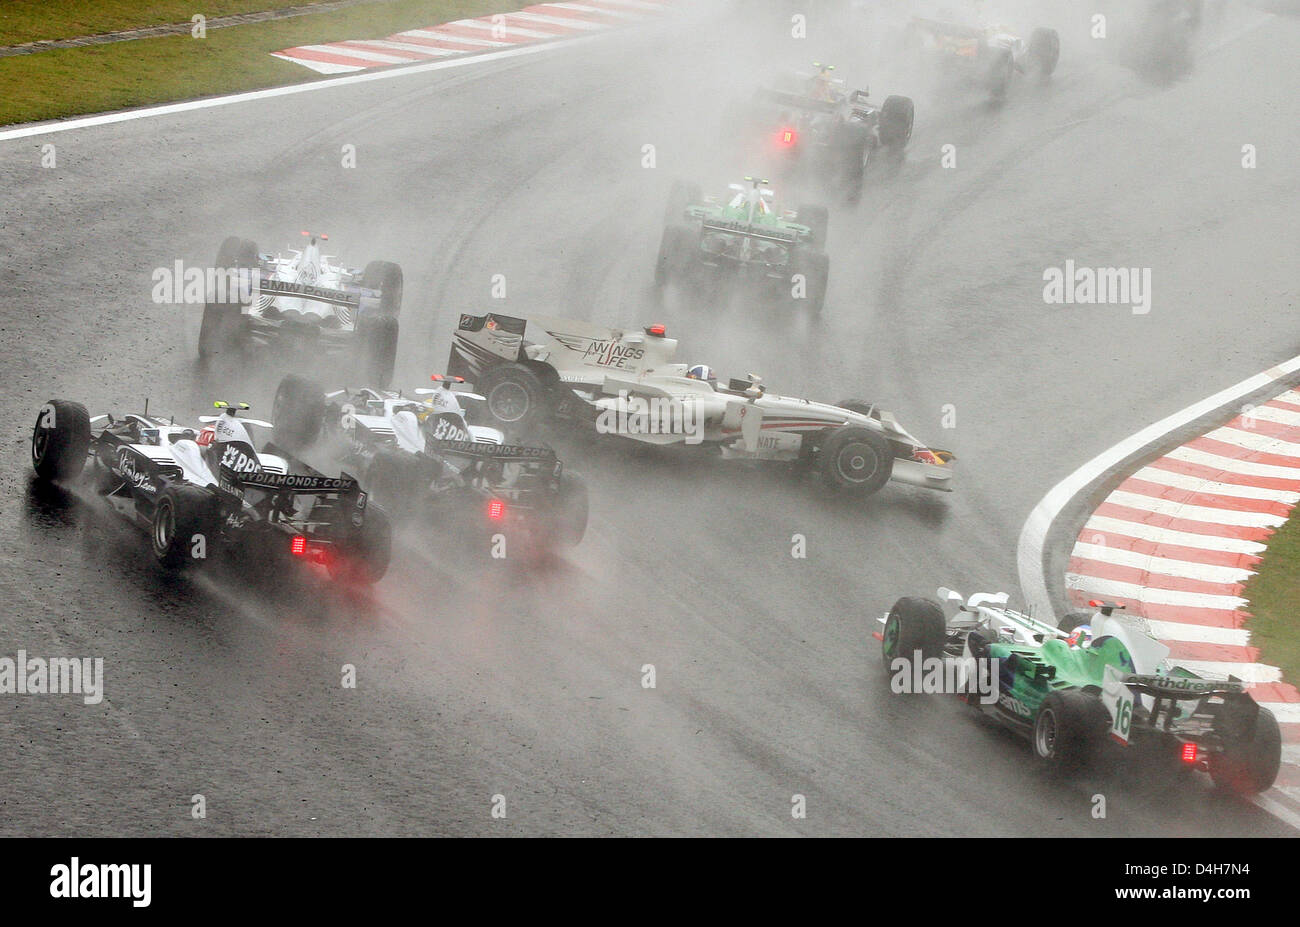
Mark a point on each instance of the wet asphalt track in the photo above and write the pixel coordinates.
(479, 678)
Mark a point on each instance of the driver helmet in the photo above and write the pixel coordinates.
(1080, 636)
(822, 83)
(702, 372)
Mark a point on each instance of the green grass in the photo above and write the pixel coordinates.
(36, 20)
(1274, 596)
(98, 78)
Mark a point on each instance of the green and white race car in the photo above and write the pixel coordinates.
(1097, 677)
(744, 237)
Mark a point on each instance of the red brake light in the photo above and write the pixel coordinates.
(1095, 603)
(298, 546)
(496, 510)
(657, 330)
(787, 137)
(1189, 753)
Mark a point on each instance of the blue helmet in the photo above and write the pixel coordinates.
(702, 372)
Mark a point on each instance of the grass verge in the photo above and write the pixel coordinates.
(98, 78)
(1274, 597)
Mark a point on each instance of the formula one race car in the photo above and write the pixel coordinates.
(985, 56)
(305, 305)
(625, 383)
(1096, 678)
(201, 492)
(420, 451)
(744, 237)
(813, 124)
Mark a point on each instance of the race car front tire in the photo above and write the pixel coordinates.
(184, 528)
(297, 413)
(1249, 765)
(516, 398)
(913, 625)
(377, 336)
(386, 277)
(1001, 66)
(60, 440)
(1068, 727)
(855, 460)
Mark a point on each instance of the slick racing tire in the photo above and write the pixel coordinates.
(896, 117)
(222, 329)
(1044, 52)
(362, 557)
(855, 460)
(516, 398)
(676, 253)
(297, 413)
(815, 266)
(571, 510)
(377, 343)
(184, 530)
(1249, 764)
(386, 277)
(60, 440)
(913, 624)
(1068, 728)
(816, 218)
(681, 195)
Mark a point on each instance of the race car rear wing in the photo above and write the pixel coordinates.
(485, 451)
(297, 483)
(1183, 687)
(273, 287)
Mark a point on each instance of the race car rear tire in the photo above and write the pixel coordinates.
(913, 624)
(1249, 765)
(676, 251)
(1074, 620)
(1068, 728)
(378, 345)
(854, 143)
(184, 528)
(386, 277)
(682, 194)
(60, 440)
(571, 509)
(363, 557)
(855, 460)
(516, 398)
(222, 328)
(392, 480)
(297, 413)
(1044, 52)
(897, 115)
(815, 266)
(816, 218)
